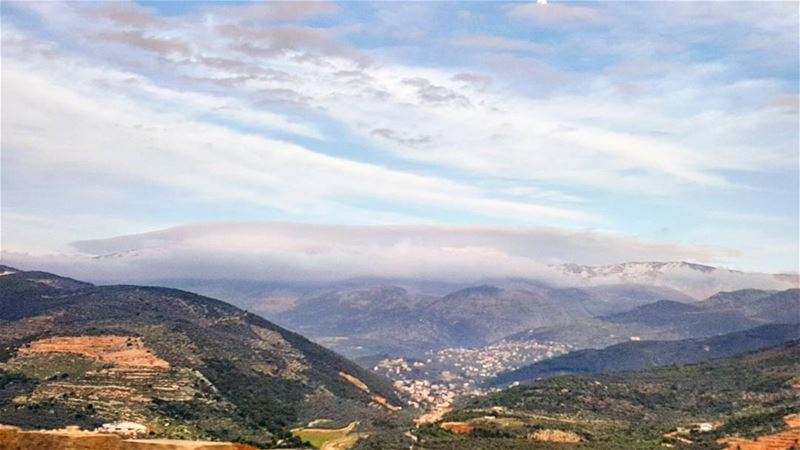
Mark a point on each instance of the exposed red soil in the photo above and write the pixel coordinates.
(12, 438)
(786, 440)
(457, 427)
(363, 386)
(120, 351)
(354, 381)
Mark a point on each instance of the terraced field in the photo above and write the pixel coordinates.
(329, 438)
(115, 377)
(185, 366)
(789, 439)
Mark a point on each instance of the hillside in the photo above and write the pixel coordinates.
(481, 314)
(649, 354)
(691, 406)
(783, 306)
(667, 320)
(185, 365)
(366, 320)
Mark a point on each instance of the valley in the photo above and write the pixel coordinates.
(692, 406)
(187, 367)
(444, 375)
(399, 225)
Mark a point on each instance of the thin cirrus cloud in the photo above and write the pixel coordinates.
(557, 13)
(273, 12)
(183, 153)
(498, 43)
(138, 40)
(126, 14)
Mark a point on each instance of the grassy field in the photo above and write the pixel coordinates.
(318, 437)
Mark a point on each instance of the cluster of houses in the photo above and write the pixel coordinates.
(452, 372)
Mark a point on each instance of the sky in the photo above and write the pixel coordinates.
(664, 130)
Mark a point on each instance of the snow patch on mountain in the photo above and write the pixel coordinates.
(698, 280)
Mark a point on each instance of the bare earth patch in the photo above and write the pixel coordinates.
(121, 351)
(14, 438)
(433, 416)
(786, 440)
(457, 427)
(363, 386)
(354, 381)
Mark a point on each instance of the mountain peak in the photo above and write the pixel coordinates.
(697, 280)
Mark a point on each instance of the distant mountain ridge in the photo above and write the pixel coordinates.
(654, 313)
(697, 280)
(668, 320)
(637, 355)
(361, 317)
(365, 320)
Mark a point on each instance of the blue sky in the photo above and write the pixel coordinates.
(674, 123)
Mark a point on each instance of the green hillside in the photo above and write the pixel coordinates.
(746, 395)
(231, 375)
(725, 312)
(635, 355)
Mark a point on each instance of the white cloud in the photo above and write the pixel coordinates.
(304, 252)
(582, 134)
(192, 104)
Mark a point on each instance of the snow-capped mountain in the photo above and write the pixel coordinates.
(697, 280)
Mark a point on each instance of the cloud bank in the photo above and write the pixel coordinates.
(286, 252)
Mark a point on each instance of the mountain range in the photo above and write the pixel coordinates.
(193, 367)
(361, 321)
(721, 313)
(697, 280)
(362, 317)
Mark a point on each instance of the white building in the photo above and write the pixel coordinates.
(124, 428)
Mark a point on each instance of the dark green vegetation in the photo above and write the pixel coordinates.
(364, 321)
(232, 376)
(746, 395)
(648, 354)
(722, 313)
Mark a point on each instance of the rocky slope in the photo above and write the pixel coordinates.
(185, 365)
